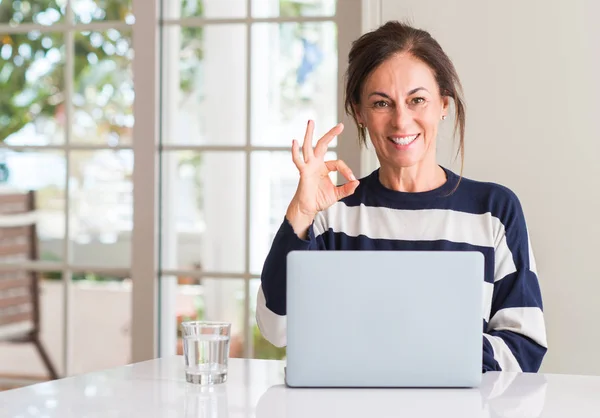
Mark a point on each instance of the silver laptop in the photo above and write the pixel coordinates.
(384, 318)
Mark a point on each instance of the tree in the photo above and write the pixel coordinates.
(32, 68)
(32, 65)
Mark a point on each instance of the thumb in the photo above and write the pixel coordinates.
(347, 189)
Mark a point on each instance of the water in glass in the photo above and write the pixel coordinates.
(206, 358)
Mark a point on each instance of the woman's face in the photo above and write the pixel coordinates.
(401, 107)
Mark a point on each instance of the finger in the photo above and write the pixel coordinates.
(307, 149)
(296, 157)
(346, 190)
(342, 167)
(321, 147)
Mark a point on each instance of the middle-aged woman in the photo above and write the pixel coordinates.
(399, 85)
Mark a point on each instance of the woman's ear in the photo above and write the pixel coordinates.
(357, 114)
(445, 105)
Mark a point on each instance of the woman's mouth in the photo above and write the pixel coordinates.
(403, 141)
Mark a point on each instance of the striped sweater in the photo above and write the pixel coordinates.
(478, 216)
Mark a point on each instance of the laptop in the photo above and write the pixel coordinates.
(384, 318)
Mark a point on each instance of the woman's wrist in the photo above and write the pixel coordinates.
(299, 220)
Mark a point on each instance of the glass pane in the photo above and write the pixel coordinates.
(87, 11)
(294, 79)
(32, 84)
(292, 8)
(202, 211)
(204, 79)
(211, 9)
(101, 207)
(23, 359)
(44, 173)
(261, 348)
(103, 88)
(101, 322)
(45, 12)
(212, 300)
(274, 182)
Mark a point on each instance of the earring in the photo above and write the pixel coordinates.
(443, 117)
(361, 126)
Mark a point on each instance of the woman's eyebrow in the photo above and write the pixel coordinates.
(413, 91)
(378, 93)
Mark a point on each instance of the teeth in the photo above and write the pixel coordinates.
(404, 140)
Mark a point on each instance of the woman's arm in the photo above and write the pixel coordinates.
(315, 193)
(515, 338)
(271, 300)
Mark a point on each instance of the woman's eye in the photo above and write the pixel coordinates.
(380, 104)
(418, 100)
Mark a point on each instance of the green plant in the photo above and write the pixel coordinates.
(101, 66)
(264, 349)
(58, 275)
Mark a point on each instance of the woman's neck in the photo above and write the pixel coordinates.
(413, 179)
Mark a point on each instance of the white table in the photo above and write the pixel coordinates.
(255, 389)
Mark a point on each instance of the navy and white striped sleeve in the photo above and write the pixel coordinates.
(271, 299)
(515, 337)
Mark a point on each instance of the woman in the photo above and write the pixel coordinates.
(399, 84)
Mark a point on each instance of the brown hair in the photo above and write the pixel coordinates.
(373, 48)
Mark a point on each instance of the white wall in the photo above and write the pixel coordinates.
(530, 73)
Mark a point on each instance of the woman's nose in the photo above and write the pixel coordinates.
(401, 117)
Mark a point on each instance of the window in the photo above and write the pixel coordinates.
(240, 81)
(66, 133)
(158, 146)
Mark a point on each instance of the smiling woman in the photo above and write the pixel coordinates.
(403, 119)
(399, 87)
(399, 92)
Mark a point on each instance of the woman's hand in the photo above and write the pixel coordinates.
(316, 192)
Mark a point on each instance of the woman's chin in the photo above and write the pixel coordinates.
(404, 162)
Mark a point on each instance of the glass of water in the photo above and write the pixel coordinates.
(206, 351)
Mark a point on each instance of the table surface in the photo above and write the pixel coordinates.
(255, 388)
